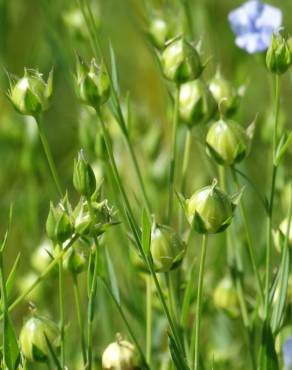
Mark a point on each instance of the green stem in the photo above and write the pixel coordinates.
(126, 322)
(62, 312)
(272, 195)
(173, 153)
(196, 332)
(250, 246)
(186, 159)
(138, 174)
(148, 319)
(41, 277)
(48, 154)
(79, 316)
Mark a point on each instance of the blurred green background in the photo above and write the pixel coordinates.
(40, 34)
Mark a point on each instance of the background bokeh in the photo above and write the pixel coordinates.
(40, 34)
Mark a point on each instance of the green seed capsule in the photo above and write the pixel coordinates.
(196, 103)
(59, 226)
(30, 95)
(42, 256)
(92, 83)
(209, 210)
(33, 338)
(227, 142)
(278, 58)
(225, 95)
(181, 61)
(120, 355)
(167, 248)
(83, 176)
(225, 297)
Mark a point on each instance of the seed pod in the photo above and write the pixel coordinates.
(167, 248)
(42, 256)
(33, 338)
(83, 176)
(58, 226)
(92, 83)
(120, 355)
(225, 94)
(210, 210)
(159, 31)
(196, 103)
(227, 142)
(279, 235)
(74, 262)
(225, 297)
(278, 58)
(181, 61)
(30, 95)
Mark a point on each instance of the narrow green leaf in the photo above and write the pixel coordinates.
(178, 358)
(112, 277)
(115, 79)
(146, 232)
(283, 146)
(11, 352)
(53, 354)
(268, 356)
(12, 275)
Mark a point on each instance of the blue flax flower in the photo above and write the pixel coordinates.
(253, 24)
(287, 353)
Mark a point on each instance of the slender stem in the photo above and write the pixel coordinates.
(79, 316)
(272, 195)
(126, 322)
(148, 318)
(48, 154)
(186, 158)
(173, 153)
(250, 246)
(138, 174)
(171, 296)
(41, 277)
(62, 312)
(196, 332)
(189, 19)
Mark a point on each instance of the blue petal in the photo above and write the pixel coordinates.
(287, 352)
(251, 42)
(253, 9)
(239, 21)
(270, 17)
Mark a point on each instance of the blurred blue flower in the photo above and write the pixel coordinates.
(253, 24)
(287, 353)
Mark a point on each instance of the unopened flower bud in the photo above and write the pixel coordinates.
(167, 248)
(30, 95)
(33, 336)
(58, 226)
(210, 210)
(278, 58)
(196, 103)
(227, 142)
(225, 95)
(83, 176)
(92, 83)
(181, 62)
(279, 235)
(42, 256)
(74, 262)
(225, 297)
(120, 355)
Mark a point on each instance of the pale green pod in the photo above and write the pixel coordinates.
(278, 57)
(121, 355)
(196, 103)
(225, 297)
(181, 62)
(227, 142)
(33, 336)
(209, 210)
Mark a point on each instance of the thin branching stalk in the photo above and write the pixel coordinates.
(48, 154)
(196, 332)
(79, 316)
(62, 311)
(173, 153)
(272, 195)
(148, 319)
